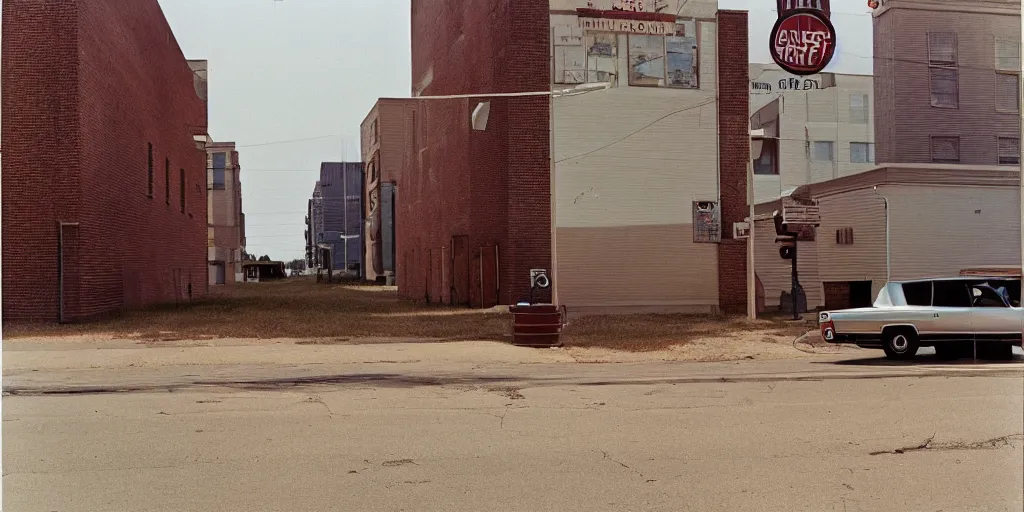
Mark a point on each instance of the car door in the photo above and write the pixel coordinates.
(992, 319)
(951, 312)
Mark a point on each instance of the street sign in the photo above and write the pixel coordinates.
(802, 41)
(801, 215)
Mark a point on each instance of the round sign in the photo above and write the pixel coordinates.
(803, 41)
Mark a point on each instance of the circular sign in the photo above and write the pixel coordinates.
(803, 41)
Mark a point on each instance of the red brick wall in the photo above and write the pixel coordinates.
(87, 86)
(492, 186)
(734, 153)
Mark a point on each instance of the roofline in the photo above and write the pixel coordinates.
(904, 174)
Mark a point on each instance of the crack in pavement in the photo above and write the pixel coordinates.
(627, 466)
(929, 444)
(319, 400)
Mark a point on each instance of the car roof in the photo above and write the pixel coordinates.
(960, 278)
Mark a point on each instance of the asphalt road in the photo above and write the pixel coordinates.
(819, 433)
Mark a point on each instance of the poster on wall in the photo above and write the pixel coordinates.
(646, 60)
(681, 56)
(602, 58)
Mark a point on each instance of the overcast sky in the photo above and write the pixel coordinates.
(286, 70)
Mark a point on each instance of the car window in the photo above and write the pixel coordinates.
(918, 294)
(952, 294)
(985, 297)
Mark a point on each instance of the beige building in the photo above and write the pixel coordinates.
(817, 128)
(636, 156)
(897, 222)
(949, 81)
(225, 220)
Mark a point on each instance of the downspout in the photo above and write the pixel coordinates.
(888, 247)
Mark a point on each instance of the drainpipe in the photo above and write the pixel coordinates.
(888, 251)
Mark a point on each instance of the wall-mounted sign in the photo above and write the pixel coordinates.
(627, 26)
(803, 41)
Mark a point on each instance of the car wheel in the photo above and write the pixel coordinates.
(900, 344)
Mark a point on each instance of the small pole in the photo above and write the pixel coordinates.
(796, 281)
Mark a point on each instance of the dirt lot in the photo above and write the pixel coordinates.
(328, 314)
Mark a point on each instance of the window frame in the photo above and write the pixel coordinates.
(774, 154)
(931, 147)
(951, 65)
(832, 150)
(215, 169)
(867, 109)
(869, 152)
(995, 94)
(999, 156)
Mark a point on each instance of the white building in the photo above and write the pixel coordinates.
(821, 127)
(897, 222)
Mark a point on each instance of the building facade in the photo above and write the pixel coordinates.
(948, 76)
(335, 221)
(384, 135)
(604, 142)
(896, 222)
(817, 128)
(103, 200)
(225, 220)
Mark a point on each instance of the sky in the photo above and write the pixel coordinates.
(291, 80)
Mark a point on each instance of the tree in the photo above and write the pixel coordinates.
(264, 258)
(296, 264)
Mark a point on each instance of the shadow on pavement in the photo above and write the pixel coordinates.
(926, 357)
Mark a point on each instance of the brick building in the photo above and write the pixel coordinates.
(103, 199)
(607, 146)
(225, 220)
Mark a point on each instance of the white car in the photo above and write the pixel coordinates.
(948, 314)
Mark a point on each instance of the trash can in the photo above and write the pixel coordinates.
(537, 325)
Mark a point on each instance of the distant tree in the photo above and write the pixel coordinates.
(296, 264)
(264, 258)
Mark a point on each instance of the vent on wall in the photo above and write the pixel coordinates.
(844, 236)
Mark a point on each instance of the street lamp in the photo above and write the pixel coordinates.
(756, 140)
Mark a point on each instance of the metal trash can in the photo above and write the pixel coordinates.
(537, 325)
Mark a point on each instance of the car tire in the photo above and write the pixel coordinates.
(899, 344)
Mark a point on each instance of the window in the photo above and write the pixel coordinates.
(862, 153)
(943, 74)
(946, 150)
(681, 56)
(646, 60)
(219, 162)
(167, 181)
(767, 162)
(1009, 151)
(181, 185)
(986, 297)
(822, 151)
(918, 294)
(859, 108)
(1007, 92)
(844, 236)
(1008, 55)
(951, 294)
(602, 57)
(150, 167)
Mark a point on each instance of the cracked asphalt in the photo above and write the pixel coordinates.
(180, 430)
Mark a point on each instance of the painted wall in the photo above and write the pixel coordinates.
(629, 161)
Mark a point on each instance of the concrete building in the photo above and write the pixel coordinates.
(225, 220)
(948, 76)
(897, 222)
(103, 203)
(817, 128)
(335, 220)
(384, 135)
(620, 168)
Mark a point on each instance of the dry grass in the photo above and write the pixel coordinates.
(293, 308)
(344, 314)
(645, 333)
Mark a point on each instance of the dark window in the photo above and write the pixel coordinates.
(844, 236)
(951, 294)
(767, 162)
(918, 294)
(167, 181)
(150, 168)
(1009, 151)
(181, 184)
(219, 163)
(946, 150)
